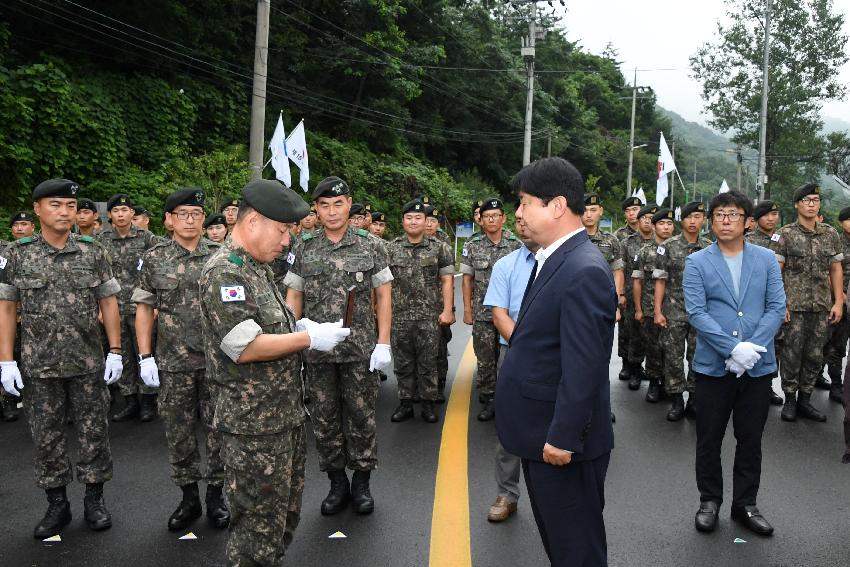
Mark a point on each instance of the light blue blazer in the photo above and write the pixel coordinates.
(721, 319)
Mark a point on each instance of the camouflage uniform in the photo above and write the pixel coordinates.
(634, 342)
(445, 332)
(168, 282)
(625, 323)
(650, 333)
(259, 409)
(610, 248)
(807, 257)
(417, 300)
(323, 271)
(769, 241)
(670, 266)
(836, 345)
(479, 256)
(125, 255)
(61, 351)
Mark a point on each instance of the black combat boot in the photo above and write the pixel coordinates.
(836, 389)
(97, 516)
(626, 371)
(338, 497)
(635, 377)
(822, 383)
(677, 408)
(806, 409)
(148, 407)
(428, 413)
(10, 407)
(403, 412)
(188, 510)
(57, 516)
(789, 410)
(131, 409)
(217, 512)
(488, 412)
(653, 392)
(361, 498)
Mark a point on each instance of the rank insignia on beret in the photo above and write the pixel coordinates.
(73, 188)
(426, 200)
(368, 208)
(338, 189)
(232, 293)
(417, 207)
(199, 197)
(436, 212)
(480, 203)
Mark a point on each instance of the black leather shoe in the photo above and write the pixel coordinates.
(131, 409)
(339, 494)
(677, 408)
(188, 510)
(775, 399)
(822, 383)
(836, 392)
(653, 393)
(706, 518)
(147, 411)
(789, 410)
(403, 412)
(428, 414)
(806, 410)
(57, 516)
(634, 381)
(217, 512)
(751, 518)
(488, 412)
(361, 497)
(96, 515)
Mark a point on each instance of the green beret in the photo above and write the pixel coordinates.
(647, 210)
(192, 196)
(763, 208)
(357, 209)
(805, 190)
(330, 187)
(55, 188)
(378, 217)
(592, 199)
(693, 207)
(663, 214)
(844, 214)
(119, 200)
(492, 204)
(414, 206)
(217, 218)
(631, 202)
(21, 216)
(275, 201)
(231, 202)
(86, 204)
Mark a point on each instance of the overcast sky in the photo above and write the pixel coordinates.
(661, 38)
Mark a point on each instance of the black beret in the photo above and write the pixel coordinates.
(426, 200)
(844, 214)
(232, 202)
(330, 187)
(492, 204)
(693, 207)
(312, 209)
(631, 202)
(192, 196)
(430, 211)
(647, 210)
(414, 206)
(275, 201)
(21, 216)
(592, 199)
(378, 217)
(119, 200)
(357, 209)
(55, 188)
(807, 189)
(86, 204)
(217, 218)
(663, 214)
(476, 205)
(763, 208)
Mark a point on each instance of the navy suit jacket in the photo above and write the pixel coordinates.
(553, 385)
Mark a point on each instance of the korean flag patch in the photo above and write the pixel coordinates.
(660, 250)
(232, 293)
(775, 237)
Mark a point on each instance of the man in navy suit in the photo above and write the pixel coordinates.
(552, 396)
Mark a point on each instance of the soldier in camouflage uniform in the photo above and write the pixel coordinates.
(86, 216)
(125, 244)
(8, 402)
(643, 293)
(61, 281)
(23, 225)
(421, 266)
(342, 385)
(810, 255)
(479, 255)
(308, 223)
(606, 242)
(230, 208)
(168, 283)
(631, 249)
(836, 347)
(252, 345)
(669, 303)
(215, 228)
(379, 225)
(432, 228)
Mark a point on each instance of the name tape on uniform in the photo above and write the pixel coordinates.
(3, 262)
(232, 293)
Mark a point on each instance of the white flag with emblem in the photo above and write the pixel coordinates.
(296, 149)
(641, 195)
(665, 166)
(280, 161)
(724, 187)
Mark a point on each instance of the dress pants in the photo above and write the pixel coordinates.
(508, 466)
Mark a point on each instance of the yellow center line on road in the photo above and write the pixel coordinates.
(450, 545)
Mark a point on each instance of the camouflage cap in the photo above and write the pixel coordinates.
(806, 190)
(763, 208)
(119, 200)
(192, 196)
(693, 207)
(663, 214)
(56, 187)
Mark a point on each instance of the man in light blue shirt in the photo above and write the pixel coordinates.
(508, 281)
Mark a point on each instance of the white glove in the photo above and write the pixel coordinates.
(301, 324)
(746, 354)
(11, 377)
(735, 368)
(113, 370)
(149, 372)
(325, 336)
(381, 358)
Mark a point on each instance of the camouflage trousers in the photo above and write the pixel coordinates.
(650, 336)
(180, 395)
(265, 482)
(674, 339)
(485, 343)
(802, 350)
(443, 357)
(45, 403)
(416, 346)
(130, 382)
(835, 348)
(343, 397)
(625, 329)
(634, 338)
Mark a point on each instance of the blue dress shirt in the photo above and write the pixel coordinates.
(507, 282)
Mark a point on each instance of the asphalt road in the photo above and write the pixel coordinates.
(651, 498)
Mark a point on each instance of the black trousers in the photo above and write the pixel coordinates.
(567, 503)
(747, 400)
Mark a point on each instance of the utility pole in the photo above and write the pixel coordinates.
(761, 180)
(258, 96)
(632, 138)
(549, 145)
(528, 55)
(739, 161)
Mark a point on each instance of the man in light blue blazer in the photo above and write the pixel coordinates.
(735, 300)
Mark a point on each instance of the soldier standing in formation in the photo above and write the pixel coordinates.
(61, 282)
(836, 347)
(141, 217)
(432, 228)
(308, 223)
(631, 208)
(379, 225)
(479, 255)
(631, 250)
(168, 283)
(421, 266)
(670, 316)
(342, 384)
(216, 228)
(86, 217)
(607, 243)
(22, 225)
(230, 208)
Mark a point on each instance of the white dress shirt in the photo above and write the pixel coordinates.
(544, 253)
